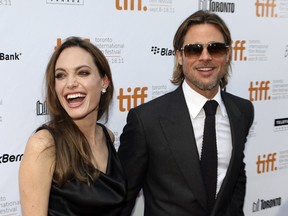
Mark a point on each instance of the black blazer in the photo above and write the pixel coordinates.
(159, 154)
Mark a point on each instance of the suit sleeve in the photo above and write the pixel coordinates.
(133, 156)
(238, 197)
(240, 189)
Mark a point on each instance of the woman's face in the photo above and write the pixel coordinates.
(78, 83)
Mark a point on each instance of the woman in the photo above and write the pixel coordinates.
(70, 166)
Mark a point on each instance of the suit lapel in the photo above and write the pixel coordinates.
(180, 136)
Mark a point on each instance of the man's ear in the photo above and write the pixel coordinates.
(179, 57)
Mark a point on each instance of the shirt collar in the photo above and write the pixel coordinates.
(196, 101)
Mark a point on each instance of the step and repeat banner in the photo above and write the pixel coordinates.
(136, 37)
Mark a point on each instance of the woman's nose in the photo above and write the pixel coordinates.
(72, 82)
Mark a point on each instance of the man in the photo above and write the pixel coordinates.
(161, 145)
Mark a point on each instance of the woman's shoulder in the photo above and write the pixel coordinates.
(111, 135)
(107, 132)
(40, 140)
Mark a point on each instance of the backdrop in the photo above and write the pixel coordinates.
(136, 37)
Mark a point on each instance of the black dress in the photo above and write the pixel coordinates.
(102, 198)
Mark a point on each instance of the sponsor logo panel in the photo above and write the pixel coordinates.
(272, 162)
(279, 89)
(10, 158)
(66, 2)
(262, 204)
(266, 163)
(252, 132)
(283, 160)
(14, 56)
(162, 51)
(217, 6)
(5, 3)
(112, 49)
(9, 207)
(41, 108)
(268, 90)
(152, 6)
(259, 90)
(131, 97)
(271, 8)
(249, 50)
(280, 124)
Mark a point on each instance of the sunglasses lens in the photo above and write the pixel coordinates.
(217, 49)
(193, 50)
(214, 49)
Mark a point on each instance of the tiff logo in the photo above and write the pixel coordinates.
(256, 91)
(41, 108)
(131, 97)
(266, 163)
(265, 8)
(238, 50)
(123, 5)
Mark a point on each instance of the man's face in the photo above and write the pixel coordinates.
(204, 71)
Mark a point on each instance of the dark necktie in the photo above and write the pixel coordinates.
(208, 161)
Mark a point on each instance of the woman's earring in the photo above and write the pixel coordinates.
(103, 91)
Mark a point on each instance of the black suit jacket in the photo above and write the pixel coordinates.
(159, 154)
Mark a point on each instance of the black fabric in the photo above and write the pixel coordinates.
(209, 162)
(104, 197)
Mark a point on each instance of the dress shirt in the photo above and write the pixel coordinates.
(195, 103)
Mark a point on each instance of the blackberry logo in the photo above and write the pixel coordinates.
(162, 51)
(5, 158)
(155, 50)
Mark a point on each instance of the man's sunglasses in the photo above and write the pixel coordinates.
(215, 49)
